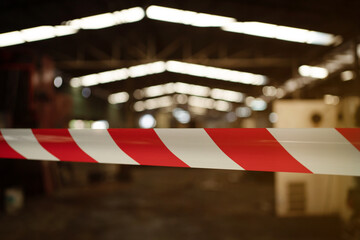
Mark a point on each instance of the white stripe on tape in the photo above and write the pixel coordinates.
(24, 142)
(196, 148)
(326, 152)
(99, 145)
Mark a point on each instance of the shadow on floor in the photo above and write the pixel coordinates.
(166, 203)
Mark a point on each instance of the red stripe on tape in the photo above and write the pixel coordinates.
(60, 144)
(255, 149)
(6, 151)
(352, 135)
(145, 147)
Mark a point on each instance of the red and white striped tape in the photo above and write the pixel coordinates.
(322, 150)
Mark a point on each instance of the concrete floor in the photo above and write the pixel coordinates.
(166, 203)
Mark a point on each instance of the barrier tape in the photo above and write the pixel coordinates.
(320, 151)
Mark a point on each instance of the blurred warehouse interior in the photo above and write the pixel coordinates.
(180, 64)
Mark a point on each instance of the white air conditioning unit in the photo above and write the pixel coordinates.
(299, 194)
(305, 114)
(349, 112)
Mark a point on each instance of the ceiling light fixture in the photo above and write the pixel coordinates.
(170, 66)
(285, 33)
(187, 17)
(71, 27)
(314, 72)
(189, 89)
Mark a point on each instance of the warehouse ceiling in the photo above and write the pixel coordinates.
(146, 41)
